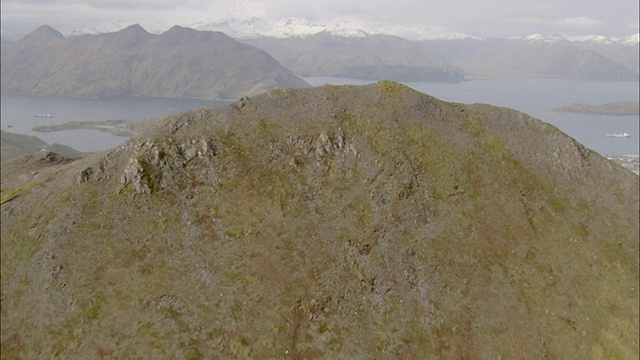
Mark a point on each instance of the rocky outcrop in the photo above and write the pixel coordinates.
(159, 165)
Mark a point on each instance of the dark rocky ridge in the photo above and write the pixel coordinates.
(335, 222)
(178, 63)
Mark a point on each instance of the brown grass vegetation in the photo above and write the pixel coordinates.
(336, 222)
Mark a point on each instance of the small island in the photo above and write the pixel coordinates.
(614, 108)
(124, 128)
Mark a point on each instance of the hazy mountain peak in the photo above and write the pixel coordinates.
(114, 26)
(130, 37)
(179, 28)
(44, 32)
(134, 28)
(179, 33)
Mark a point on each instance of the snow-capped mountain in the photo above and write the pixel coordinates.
(631, 40)
(255, 27)
(297, 27)
(291, 27)
(424, 33)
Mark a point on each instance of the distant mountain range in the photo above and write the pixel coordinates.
(337, 49)
(631, 40)
(540, 57)
(371, 57)
(184, 62)
(254, 27)
(354, 50)
(180, 62)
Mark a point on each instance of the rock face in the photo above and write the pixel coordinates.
(335, 222)
(178, 63)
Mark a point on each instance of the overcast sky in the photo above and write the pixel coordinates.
(504, 18)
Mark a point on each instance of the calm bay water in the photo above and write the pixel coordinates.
(18, 112)
(532, 96)
(536, 96)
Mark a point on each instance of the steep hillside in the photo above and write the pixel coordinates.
(335, 222)
(178, 63)
(520, 58)
(372, 57)
(627, 55)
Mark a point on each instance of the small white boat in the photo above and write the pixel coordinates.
(48, 116)
(619, 135)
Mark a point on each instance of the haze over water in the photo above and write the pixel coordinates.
(532, 96)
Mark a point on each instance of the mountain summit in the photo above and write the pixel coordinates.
(333, 222)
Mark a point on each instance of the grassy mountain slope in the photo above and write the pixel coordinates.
(335, 222)
(178, 63)
(373, 57)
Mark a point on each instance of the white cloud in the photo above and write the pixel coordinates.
(578, 22)
(247, 9)
(570, 22)
(530, 21)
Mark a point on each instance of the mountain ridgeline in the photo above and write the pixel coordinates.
(372, 57)
(491, 58)
(132, 62)
(333, 222)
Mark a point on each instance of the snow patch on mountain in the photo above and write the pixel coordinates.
(291, 27)
(631, 40)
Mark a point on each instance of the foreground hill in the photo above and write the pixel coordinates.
(178, 63)
(335, 222)
(371, 57)
(522, 58)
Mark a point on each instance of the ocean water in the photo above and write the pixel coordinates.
(536, 96)
(532, 96)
